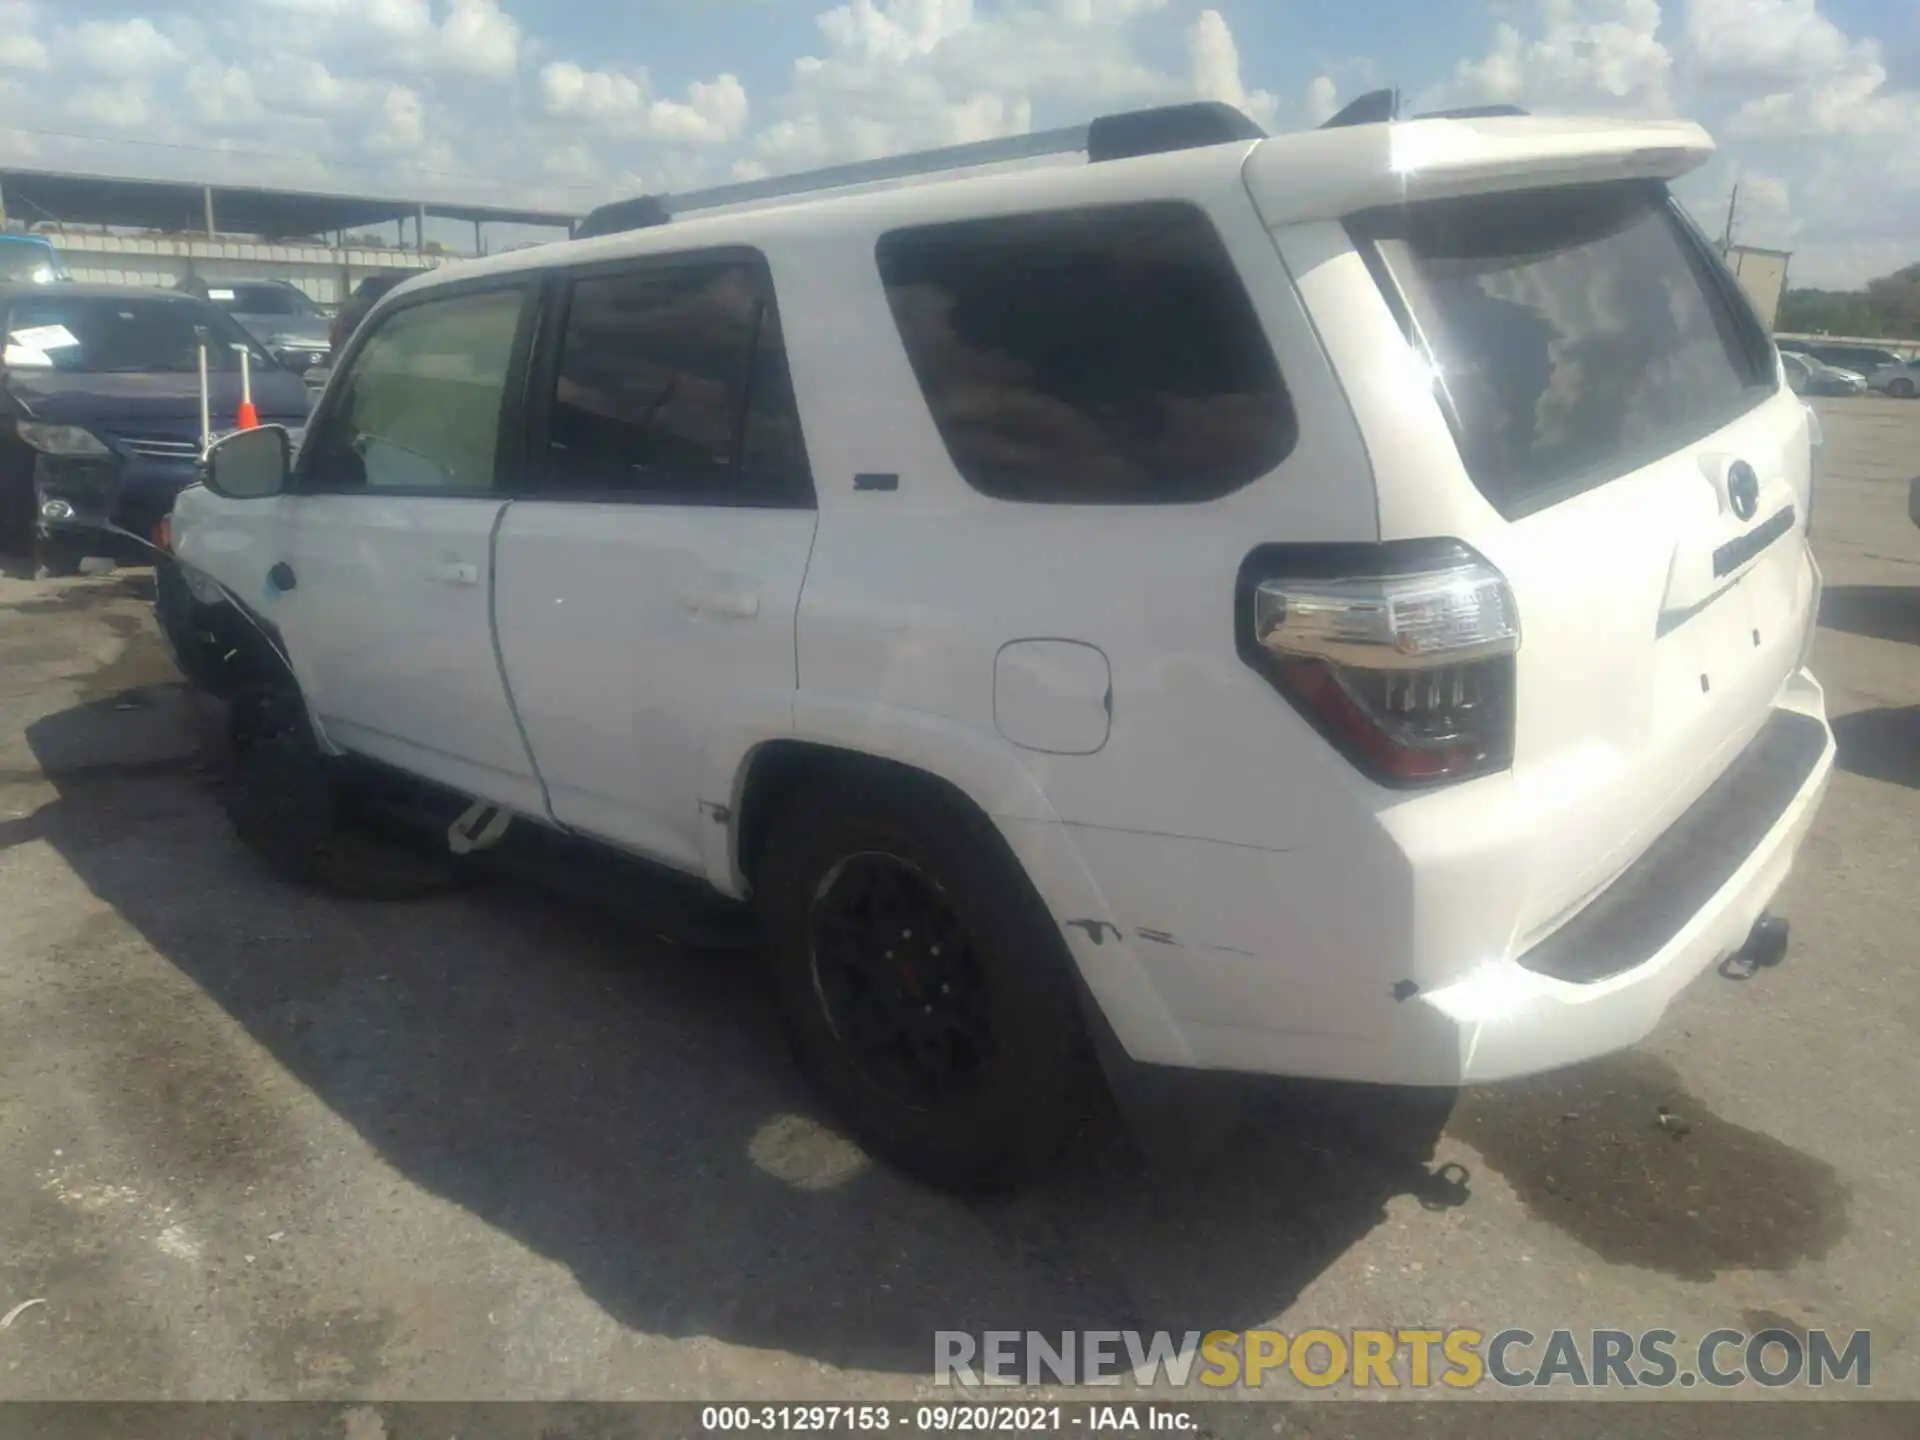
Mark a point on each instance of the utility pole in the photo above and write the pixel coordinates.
(1733, 200)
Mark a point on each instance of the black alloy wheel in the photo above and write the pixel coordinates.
(899, 980)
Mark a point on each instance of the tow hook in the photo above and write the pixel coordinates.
(1765, 947)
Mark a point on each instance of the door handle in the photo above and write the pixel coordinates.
(723, 605)
(453, 572)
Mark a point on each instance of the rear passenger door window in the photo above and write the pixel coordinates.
(1096, 356)
(671, 386)
(420, 410)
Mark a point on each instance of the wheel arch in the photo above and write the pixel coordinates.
(741, 789)
(985, 775)
(218, 645)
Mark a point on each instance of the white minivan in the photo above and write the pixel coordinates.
(1333, 604)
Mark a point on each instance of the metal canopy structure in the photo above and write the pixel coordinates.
(44, 196)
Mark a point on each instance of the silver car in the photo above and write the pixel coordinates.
(276, 313)
(1808, 376)
(1902, 380)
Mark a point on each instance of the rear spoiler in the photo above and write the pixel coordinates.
(1330, 174)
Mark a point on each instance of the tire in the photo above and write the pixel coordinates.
(1901, 389)
(16, 524)
(987, 1092)
(187, 627)
(286, 803)
(56, 559)
(18, 507)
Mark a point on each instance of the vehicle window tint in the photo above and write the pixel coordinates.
(771, 446)
(1096, 356)
(421, 407)
(672, 383)
(1577, 333)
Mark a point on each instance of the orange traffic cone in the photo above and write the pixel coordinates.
(249, 418)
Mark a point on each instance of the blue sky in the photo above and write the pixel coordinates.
(567, 102)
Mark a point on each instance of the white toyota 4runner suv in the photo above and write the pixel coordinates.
(1326, 605)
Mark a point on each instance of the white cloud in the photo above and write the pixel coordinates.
(1582, 53)
(117, 107)
(389, 37)
(122, 49)
(398, 124)
(1809, 120)
(621, 104)
(1760, 44)
(1802, 74)
(480, 99)
(20, 47)
(896, 75)
(479, 37)
(1323, 99)
(1215, 61)
(221, 95)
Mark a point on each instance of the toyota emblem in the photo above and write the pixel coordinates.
(1743, 489)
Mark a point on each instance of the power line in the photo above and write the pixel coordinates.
(366, 165)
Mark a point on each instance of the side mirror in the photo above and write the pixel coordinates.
(250, 464)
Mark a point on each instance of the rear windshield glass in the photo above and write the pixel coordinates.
(1576, 333)
(134, 334)
(1097, 356)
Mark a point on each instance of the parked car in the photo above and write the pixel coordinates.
(100, 394)
(277, 313)
(1861, 359)
(1900, 379)
(30, 259)
(1074, 608)
(1808, 376)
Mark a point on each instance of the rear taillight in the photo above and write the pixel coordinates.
(1401, 655)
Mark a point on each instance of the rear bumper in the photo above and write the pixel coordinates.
(1320, 997)
(1689, 902)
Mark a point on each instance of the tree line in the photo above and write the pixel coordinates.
(1889, 308)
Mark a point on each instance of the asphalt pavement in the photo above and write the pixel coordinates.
(257, 1143)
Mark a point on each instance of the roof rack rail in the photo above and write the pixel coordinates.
(1472, 112)
(1167, 128)
(635, 214)
(1111, 137)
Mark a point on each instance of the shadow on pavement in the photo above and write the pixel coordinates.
(1882, 744)
(626, 1110)
(1879, 612)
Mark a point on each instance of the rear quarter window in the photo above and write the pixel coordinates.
(1105, 355)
